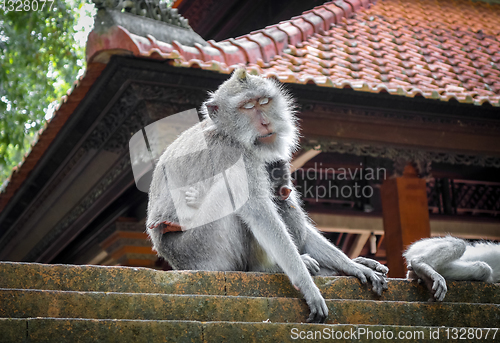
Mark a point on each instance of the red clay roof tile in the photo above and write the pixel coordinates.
(327, 17)
(394, 52)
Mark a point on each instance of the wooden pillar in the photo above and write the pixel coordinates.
(406, 217)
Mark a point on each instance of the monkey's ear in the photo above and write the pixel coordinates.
(212, 108)
(241, 74)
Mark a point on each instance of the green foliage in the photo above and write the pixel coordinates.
(39, 61)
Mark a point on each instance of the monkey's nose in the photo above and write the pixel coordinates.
(264, 120)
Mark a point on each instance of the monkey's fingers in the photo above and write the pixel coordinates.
(191, 199)
(440, 294)
(372, 264)
(192, 193)
(385, 284)
(358, 270)
(311, 264)
(315, 317)
(194, 203)
(382, 269)
(379, 283)
(319, 311)
(360, 275)
(439, 287)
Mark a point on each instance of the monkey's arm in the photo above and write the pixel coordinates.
(429, 257)
(328, 255)
(270, 232)
(433, 280)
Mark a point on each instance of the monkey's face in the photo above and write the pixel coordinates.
(256, 111)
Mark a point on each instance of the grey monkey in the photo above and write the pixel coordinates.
(435, 260)
(212, 205)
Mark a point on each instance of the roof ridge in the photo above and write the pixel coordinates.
(155, 10)
(270, 41)
(258, 47)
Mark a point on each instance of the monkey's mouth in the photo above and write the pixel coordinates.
(269, 138)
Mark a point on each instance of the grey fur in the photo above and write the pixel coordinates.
(435, 260)
(265, 234)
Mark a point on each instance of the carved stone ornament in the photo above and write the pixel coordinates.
(131, 113)
(396, 153)
(153, 9)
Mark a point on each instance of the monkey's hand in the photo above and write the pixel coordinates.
(311, 264)
(193, 197)
(316, 303)
(439, 288)
(372, 264)
(434, 282)
(363, 273)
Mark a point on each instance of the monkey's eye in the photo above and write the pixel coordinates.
(248, 105)
(263, 101)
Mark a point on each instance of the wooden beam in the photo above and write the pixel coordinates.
(303, 158)
(138, 262)
(327, 222)
(358, 244)
(466, 229)
(99, 258)
(457, 226)
(406, 216)
(119, 235)
(131, 249)
(387, 133)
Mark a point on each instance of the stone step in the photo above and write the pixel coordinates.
(152, 306)
(64, 330)
(144, 280)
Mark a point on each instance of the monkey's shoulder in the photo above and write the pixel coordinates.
(187, 142)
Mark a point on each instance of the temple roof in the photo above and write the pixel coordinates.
(447, 50)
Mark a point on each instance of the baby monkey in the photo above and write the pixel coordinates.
(434, 260)
(214, 205)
